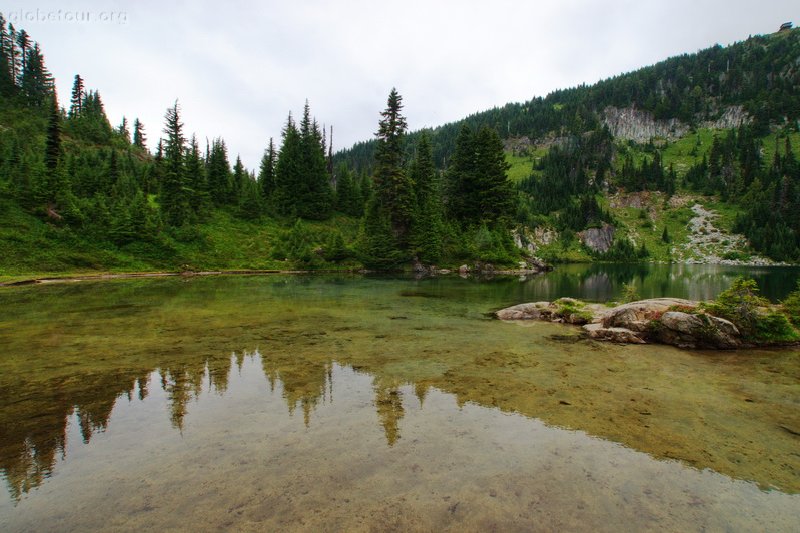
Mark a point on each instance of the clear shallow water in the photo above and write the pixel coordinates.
(348, 403)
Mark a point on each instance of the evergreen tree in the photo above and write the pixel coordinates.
(8, 85)
(139, 138)
(123, 130)
(266, 173)
(78, 94)
(460, 178)
(197, 186)
(494, 194)
(314, 194)
(238, 179)
(174, 201)
(288, 170)
(219, 173)
(428, 221)
(394, 191)
(348, 195)
(36, 81)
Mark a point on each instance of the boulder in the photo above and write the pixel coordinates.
(618, 335)
(685, 330)
(636, 316)
(530, 311)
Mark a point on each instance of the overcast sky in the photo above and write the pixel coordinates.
(238, 68)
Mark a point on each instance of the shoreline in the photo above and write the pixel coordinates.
(74, 278)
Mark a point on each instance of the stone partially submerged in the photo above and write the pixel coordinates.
(674, 321)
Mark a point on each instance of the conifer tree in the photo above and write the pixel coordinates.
(428, 221)
(238, 179)
(394, 190)
(266, 173)
(495, 196)
(8, 84)
(124, 131)
(348, 196)
(35, 81)
(219, 173)
(197, 185)
(139, 139)
(174, 201)
(314, 194)
(288, 170)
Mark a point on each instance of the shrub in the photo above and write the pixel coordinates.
(791, 306)
(775, 327)
(739, 304)
(629, 292)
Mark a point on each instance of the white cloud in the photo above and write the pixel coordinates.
(239, 67)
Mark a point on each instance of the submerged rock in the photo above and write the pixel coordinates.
(673, 321)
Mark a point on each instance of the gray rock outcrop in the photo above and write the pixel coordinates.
(598, 239)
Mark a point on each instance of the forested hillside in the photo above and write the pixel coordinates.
(719, 127)
(722, 123)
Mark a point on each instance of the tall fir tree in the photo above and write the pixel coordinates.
(174, 201)
(288, 170)
(35, 81)
(428, 221)
(394, 190)
(315, 196)
(78, 94)
(266, 172)
(495, 195)
(218, 173)
(123, 130)
(139, 138)
(8, 85)
(197, 185)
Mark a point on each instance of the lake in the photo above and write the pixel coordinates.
(328, 403)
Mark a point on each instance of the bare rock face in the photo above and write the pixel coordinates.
(598, 239)
(640, 126)
(637, 315)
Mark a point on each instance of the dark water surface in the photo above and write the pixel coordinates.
(346, 403)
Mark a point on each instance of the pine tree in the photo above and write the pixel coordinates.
(174, 201)
(288, 170)
(460, 178)
(377, 245)
(35, 81)
(139, 138)
(266, 173)
(428, 222)
(495, 196)
(124, 131)
(218, 173)
(78, 94)
(8, 85)
(394, 190)
(53, 190)
(24, 44)
(238, 179)
(348, 197)
(196, 177)
(314, 193)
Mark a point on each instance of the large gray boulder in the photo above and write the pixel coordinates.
(686, 330)
(530, 311)
(636, 316)
(618, 335)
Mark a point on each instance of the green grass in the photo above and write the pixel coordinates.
(650, 229)
(34, 248)
(520, 167)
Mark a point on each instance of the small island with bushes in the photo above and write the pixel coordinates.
(738, 318)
